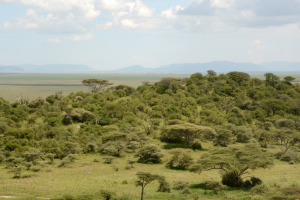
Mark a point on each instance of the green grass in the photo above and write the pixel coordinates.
(86, 177)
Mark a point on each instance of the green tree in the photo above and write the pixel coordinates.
(211, 75)
(289, 79)
(180, 159)
(144, 178)
(234, 161)
(271, 79)
(149, 154)
(238, 77)
(186, 132)
(274, 105)
(223, 138)
(285, 139)
(96, 85)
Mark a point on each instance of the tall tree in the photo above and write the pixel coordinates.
(144, 179)
(271, 79)
(96, 85)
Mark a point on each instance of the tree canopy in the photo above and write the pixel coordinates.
(96, 85)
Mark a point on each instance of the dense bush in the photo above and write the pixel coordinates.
(149, 154)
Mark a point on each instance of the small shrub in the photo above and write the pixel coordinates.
(186, 191)
(255, 181)
(180, 185)
(107, 195)
(180, 160)
(231, 179)
(259, 189)
(17, 171)
(116, 168)
(291, 191)
(108, 159)
(124, 182)
(72, 157)
(128, 167)
(196, 145)
(68, 197)
(214, 185)
(131, 161)
(35, 169)
(28, 165)
(164, 186)
(64, 162)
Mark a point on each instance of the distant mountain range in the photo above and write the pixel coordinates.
(49, 68)
(218, 66)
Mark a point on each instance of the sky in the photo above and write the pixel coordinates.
(111, 34)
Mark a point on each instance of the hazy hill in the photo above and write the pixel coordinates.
(188, 68)
(49, 68)
(11, 69)
(134, 69)
(218, 66)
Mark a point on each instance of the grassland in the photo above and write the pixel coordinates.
(43, 85)
(33, 86)
(86, 177)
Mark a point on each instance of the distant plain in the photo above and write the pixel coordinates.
(34, 85)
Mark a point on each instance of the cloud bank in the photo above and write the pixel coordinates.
(79, 19)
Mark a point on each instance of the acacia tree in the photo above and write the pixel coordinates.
(186, 132)
(144, 178)
(96, 85)
(285, 139)
(288, 79)
(234, 161)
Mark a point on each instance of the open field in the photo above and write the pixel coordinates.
(32, 86)
(86, 177)
(43, 85)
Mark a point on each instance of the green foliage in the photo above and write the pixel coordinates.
(186, 133)
(96, 85)
(149, 154)
(144, 178)
(223, 138)
(114, 148)
(180, 185)
(234, 162)
(164, 186)
(238, 77)
(223, 109)
(180, 159)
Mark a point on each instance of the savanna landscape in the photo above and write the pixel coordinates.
(150, 99)
(199, 136)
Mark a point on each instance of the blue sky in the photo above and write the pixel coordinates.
(110, 34)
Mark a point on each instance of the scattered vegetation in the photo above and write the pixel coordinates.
(230, 123)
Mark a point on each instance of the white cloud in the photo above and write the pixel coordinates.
(128, 23)
(78, 17)
(87, 36)
(54, 40)
(171, 13)
(247, 13)
(258, 44)
(55, 16)
(108, 25)
(222, 3)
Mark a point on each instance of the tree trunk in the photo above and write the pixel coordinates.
(142, 195)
